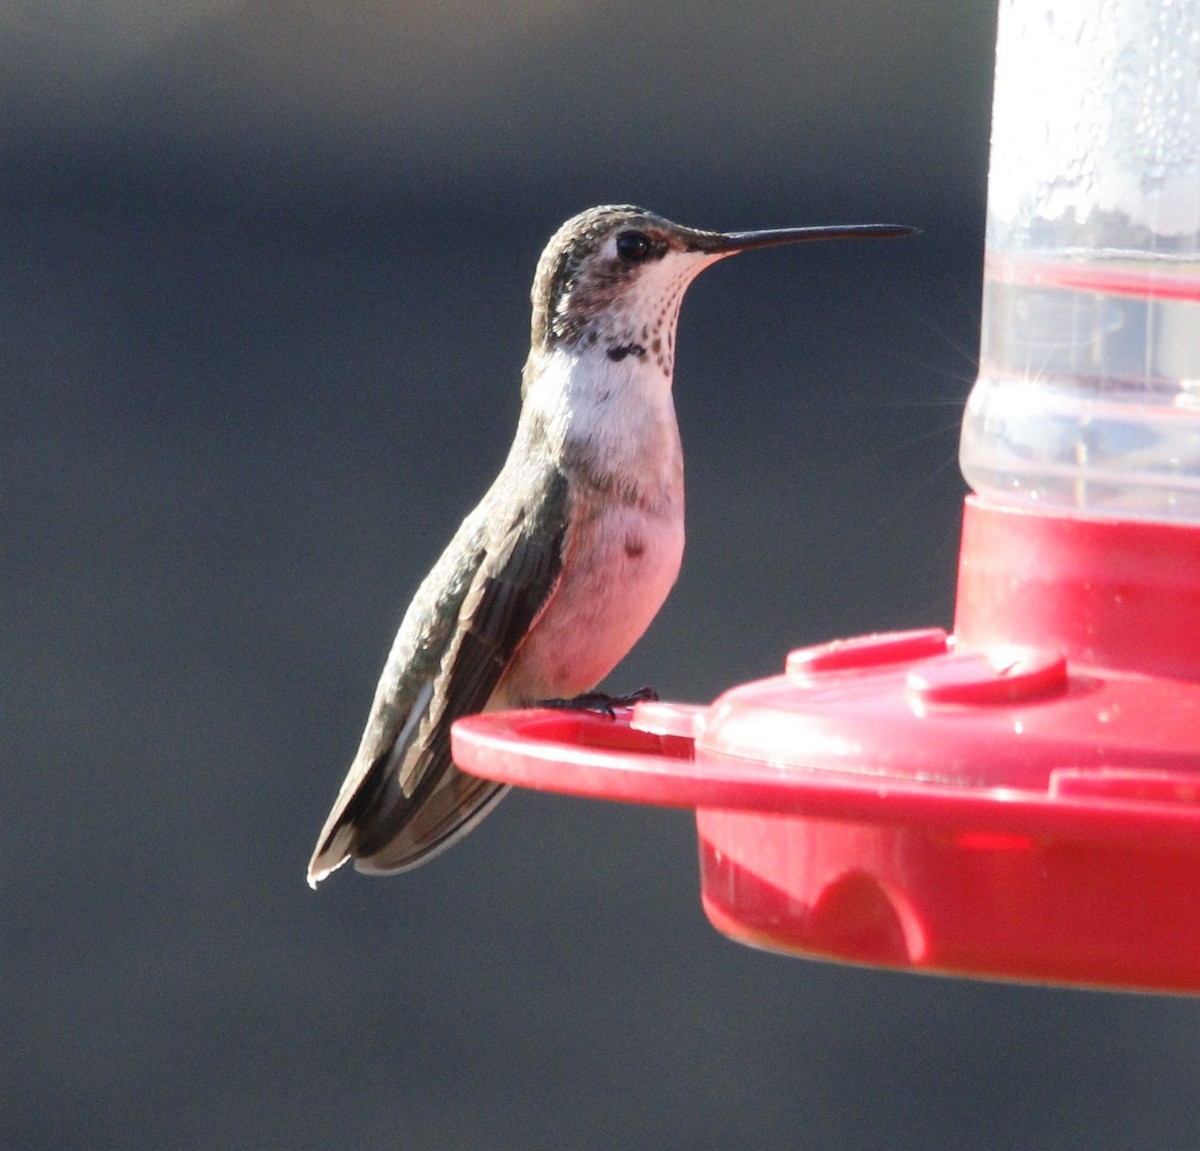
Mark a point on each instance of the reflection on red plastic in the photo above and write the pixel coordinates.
(993, 841)
(866, 652)
(999, 675)
(1126, 784)
(662, 718)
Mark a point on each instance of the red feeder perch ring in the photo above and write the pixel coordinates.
(1020, 800)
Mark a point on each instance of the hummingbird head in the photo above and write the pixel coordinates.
(611, 279)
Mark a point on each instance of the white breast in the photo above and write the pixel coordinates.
(625, 541)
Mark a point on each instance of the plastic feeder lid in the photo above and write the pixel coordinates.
(900, 800)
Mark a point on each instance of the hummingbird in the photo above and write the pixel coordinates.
(568, 557)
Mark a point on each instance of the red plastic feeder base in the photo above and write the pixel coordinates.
(1019, 801)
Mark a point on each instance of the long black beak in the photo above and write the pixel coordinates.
(726, 243)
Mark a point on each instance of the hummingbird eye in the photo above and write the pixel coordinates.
(633, 247)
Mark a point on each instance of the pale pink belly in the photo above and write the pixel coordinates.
(619, 571)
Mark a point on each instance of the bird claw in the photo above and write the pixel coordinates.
(601, 702)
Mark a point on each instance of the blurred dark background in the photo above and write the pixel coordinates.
(263, 306)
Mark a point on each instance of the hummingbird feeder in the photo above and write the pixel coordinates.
(1019, 799)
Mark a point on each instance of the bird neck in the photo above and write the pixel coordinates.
(609, 419)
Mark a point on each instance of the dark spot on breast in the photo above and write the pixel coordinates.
(619, 351)
(634, 546)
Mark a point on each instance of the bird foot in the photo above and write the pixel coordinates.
(601, 703)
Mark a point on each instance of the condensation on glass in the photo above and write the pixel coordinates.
(1088, 396)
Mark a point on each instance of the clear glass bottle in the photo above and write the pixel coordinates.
(1088, 396)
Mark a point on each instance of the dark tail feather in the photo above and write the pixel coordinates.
(434, 823)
